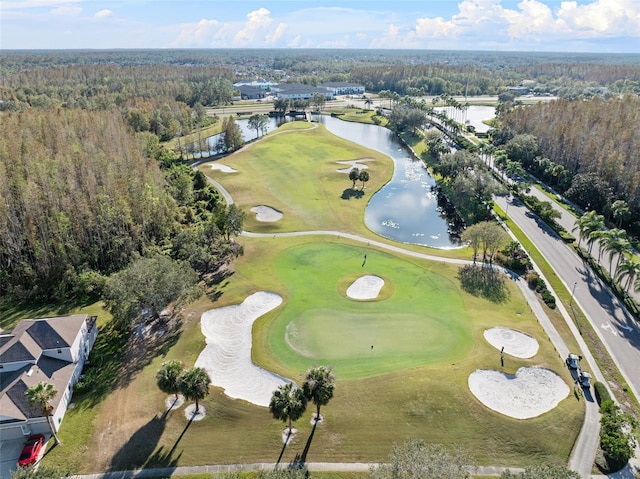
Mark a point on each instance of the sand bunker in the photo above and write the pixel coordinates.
(530, 393)
(514, 342)
(223, 168)
(365, 287)
(266, 213)
(353, 164)
(227, 356)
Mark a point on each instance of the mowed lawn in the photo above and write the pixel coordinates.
(426, 331)
(294, 170)
(420, 319)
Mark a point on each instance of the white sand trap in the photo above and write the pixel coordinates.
(530, 393)
(223, 168)
(365, 287)
(227, 355)
(266, 213)
(353, 164)
(514, 342)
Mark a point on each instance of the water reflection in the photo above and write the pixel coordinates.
(407, 208)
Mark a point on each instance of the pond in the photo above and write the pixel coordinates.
(406, 209)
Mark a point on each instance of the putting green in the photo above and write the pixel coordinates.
(417, 320)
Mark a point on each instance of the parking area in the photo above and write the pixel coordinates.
(9, 454)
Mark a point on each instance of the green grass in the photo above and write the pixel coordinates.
(420, 321)
(296, 172)
(426, 331)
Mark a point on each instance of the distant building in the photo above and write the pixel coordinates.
(299, 91)
(259, 84)
(343, 88)
(51, 350)
(521, 90)
(251, 93)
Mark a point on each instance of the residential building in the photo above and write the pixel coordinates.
(52, 350)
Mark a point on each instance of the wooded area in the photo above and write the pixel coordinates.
(596, 137)
(80, 197)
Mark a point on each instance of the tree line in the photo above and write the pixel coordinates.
(81, 197)
(586, 149)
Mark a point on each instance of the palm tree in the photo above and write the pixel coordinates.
(368, 102)
(194, 385)
(588, 223)
(629, 269)
(288, 403)
(354, 174)
(168, 377)
(42, 394)
(615, 242)
(364, 177)
(318, 387)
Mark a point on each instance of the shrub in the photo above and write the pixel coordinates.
(617, 444)
(548, 299)
(532, 280)
(567, 238)
(602, 393)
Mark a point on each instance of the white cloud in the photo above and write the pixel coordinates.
(361, 36)
(277, 33)
(196, 34)
(66, 11)
(103, 13)
(604, 17)
(295, 42)
(257, 21)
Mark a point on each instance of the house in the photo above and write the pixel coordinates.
(251, 93)
(342, 88)
(53, 350)
(299, 91)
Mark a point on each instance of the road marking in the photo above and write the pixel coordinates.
(624, 326)
(608, 326)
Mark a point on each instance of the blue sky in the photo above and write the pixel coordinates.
(524, 25)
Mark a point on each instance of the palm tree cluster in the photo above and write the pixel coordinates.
(192, 383)
(289, 402)
(358, 175)
(623, 265)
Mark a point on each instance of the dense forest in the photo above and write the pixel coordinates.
(596, 137)
(81, 196)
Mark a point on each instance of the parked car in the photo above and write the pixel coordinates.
(585, 379)
(573, 361)
(30, 450)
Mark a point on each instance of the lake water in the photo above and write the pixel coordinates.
(475, 115)
(406, 208)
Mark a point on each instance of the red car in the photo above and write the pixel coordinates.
(31, 450)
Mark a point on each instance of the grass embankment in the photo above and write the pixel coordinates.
(408, 386)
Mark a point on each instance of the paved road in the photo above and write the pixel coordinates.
(615, 326)
(568, 221)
